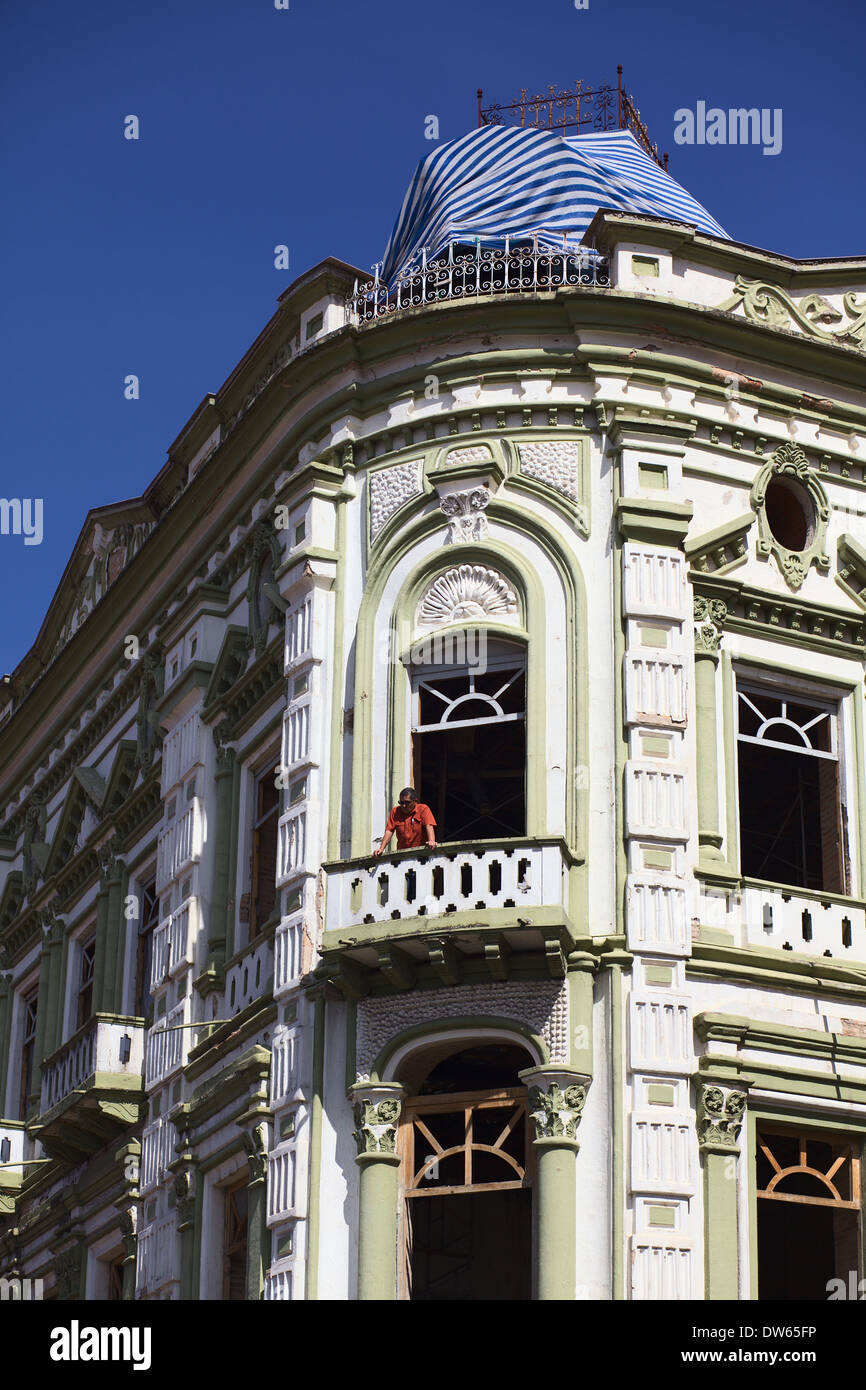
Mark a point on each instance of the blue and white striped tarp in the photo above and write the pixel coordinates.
(501, 181)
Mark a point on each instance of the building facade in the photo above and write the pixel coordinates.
(580, 553)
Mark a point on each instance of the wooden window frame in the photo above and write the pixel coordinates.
(259, 820)
(238, 1244)
(512, 1097)
(84, 1003)
(30, 1007)
(148, 921)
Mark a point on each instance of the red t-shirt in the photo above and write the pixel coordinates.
(408, 825)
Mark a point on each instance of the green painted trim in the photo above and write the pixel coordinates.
(777, 1037)
(778, 969)
(854, 789)
(486, 919)
(555, 1211)
(650, 519)
(617, 1083)
(338, 677)
(751, 1154)
(120, 949)
(311, 1284)
(721, 1258)
(378, 1184)
(468, 1023)
(231, 884)
(620, 734)
(195, 1281)
(729, 750)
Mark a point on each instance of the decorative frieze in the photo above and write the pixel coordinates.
(814, 315)
(541, 1005)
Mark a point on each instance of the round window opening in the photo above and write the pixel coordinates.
(790, 514)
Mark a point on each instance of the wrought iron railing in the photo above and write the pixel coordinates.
(594, 108)
(470, 272)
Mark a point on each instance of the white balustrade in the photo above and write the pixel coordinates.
(786, 919)
(168, 1044)
(181, 751)
(179, 844)
(521, 874)
(157, 1151)
(156, 1255)
(248, 977)
(104, 1045)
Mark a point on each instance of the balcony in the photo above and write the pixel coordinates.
(759, 915)
(483, 906)
(91, 1087)
(250, 974)
(14, 1146)
(465, 272)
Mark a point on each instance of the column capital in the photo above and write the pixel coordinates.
(720, 1113)
(376, 1107)
(710, 617)
(557, 1096)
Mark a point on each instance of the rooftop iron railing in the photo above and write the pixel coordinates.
(470, 272)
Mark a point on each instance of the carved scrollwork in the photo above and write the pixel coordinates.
(767, 304)
(720, 1116)
(789, 462)
(465, 511)
(555, 1112)
(710, 615)
(376, 1125)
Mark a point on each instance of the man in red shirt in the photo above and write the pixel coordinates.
(412, 821)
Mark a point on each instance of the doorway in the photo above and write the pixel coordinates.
(466, 1177)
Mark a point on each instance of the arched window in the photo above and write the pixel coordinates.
(469, 734)
(466, 1169)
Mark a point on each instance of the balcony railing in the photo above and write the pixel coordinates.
(174, 942)
(789, 919)
(466, 272)
(249, 974)
(105, 1045)
(452, 878)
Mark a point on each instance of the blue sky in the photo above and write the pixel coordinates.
(303, 126)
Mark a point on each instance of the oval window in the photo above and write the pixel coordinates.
(790, 513)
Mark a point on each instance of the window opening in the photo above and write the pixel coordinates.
(115, 1280)
(264, 856)
(791, 816)
(808, 1188)
(28, 1048)
(85, 984)
(148, 921)
(235, 1244)
(466, 1170)
(790, 513)
(469, 745)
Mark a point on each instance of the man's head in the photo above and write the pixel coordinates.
(408, 798)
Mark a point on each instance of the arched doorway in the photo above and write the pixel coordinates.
(466, 1173)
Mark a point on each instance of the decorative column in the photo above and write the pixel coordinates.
(185, 1199)
(556, 1100)
(720, 1112)
(258, 1245)
(710, 614)
(107, 916)
(128, 1222)
(377, 1115)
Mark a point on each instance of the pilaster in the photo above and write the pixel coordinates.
(377, 1115)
